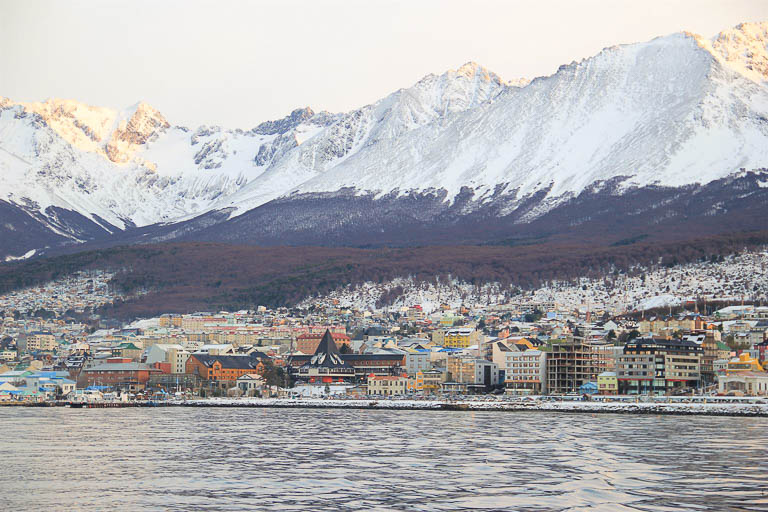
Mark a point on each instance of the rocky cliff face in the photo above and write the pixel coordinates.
(130, 134)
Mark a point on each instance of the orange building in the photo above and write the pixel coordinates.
(224, 368)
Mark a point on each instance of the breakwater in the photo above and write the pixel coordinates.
(681, 408)
(706, 408)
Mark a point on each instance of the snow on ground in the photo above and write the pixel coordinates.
(144, 324)
(659, 301)
(742, 277)
(429, 296)
(24, 256)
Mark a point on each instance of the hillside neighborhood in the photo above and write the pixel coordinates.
(54, 347)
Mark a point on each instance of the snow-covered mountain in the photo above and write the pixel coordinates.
(433, 101)
(127, 167)
(672, 111)
(677, 112)
(119, 169)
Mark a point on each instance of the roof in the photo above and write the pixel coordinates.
(502, 346)
(251, 361)
(250, 376)
(527, 352)
(165, 346)
(128, 345)
(302, 359)
(313, 335)
(327, 354)
(120, 367)
(216, 346)
(461, 331)
(673, 343)
(327, 345)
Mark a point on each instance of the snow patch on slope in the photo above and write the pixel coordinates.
(24, 256)
(744, 276)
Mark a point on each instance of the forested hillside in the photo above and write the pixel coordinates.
(184, 277)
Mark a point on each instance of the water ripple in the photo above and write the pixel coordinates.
(183, 459)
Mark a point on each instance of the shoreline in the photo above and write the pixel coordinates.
(588, 407)
(716, 409)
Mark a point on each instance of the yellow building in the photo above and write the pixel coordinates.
(743, 363)
(432, 381)
(456, 338)
(607, 383)
(169, 320)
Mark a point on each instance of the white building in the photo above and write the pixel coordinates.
(7, 355)
(526, 372)
(750, 383)
(250, 384)
(174, 354)
(387, 385)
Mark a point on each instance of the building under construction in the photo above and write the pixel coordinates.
(572, 362)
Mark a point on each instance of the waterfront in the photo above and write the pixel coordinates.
(305, 459)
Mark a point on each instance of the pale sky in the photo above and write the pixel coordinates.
(238, 63)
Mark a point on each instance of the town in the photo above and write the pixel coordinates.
(55, 349)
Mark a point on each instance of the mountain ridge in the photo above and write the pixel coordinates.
(674, 111)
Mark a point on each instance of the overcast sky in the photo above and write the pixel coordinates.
(238, 63)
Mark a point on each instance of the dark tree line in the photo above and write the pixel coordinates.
(184, 277)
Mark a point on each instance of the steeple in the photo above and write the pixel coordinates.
(327, 354)
(327, 344)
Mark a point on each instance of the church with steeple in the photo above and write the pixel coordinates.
(327, 365)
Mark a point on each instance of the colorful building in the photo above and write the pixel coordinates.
(744, 375)
(224, 368)
(327, 365)
(456, 338)
(607, 383)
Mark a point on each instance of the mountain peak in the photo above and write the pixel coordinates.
(292, 120)
(471, 68)
(142, 110)
(81, 125)
(745, 48)
(135, 126)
